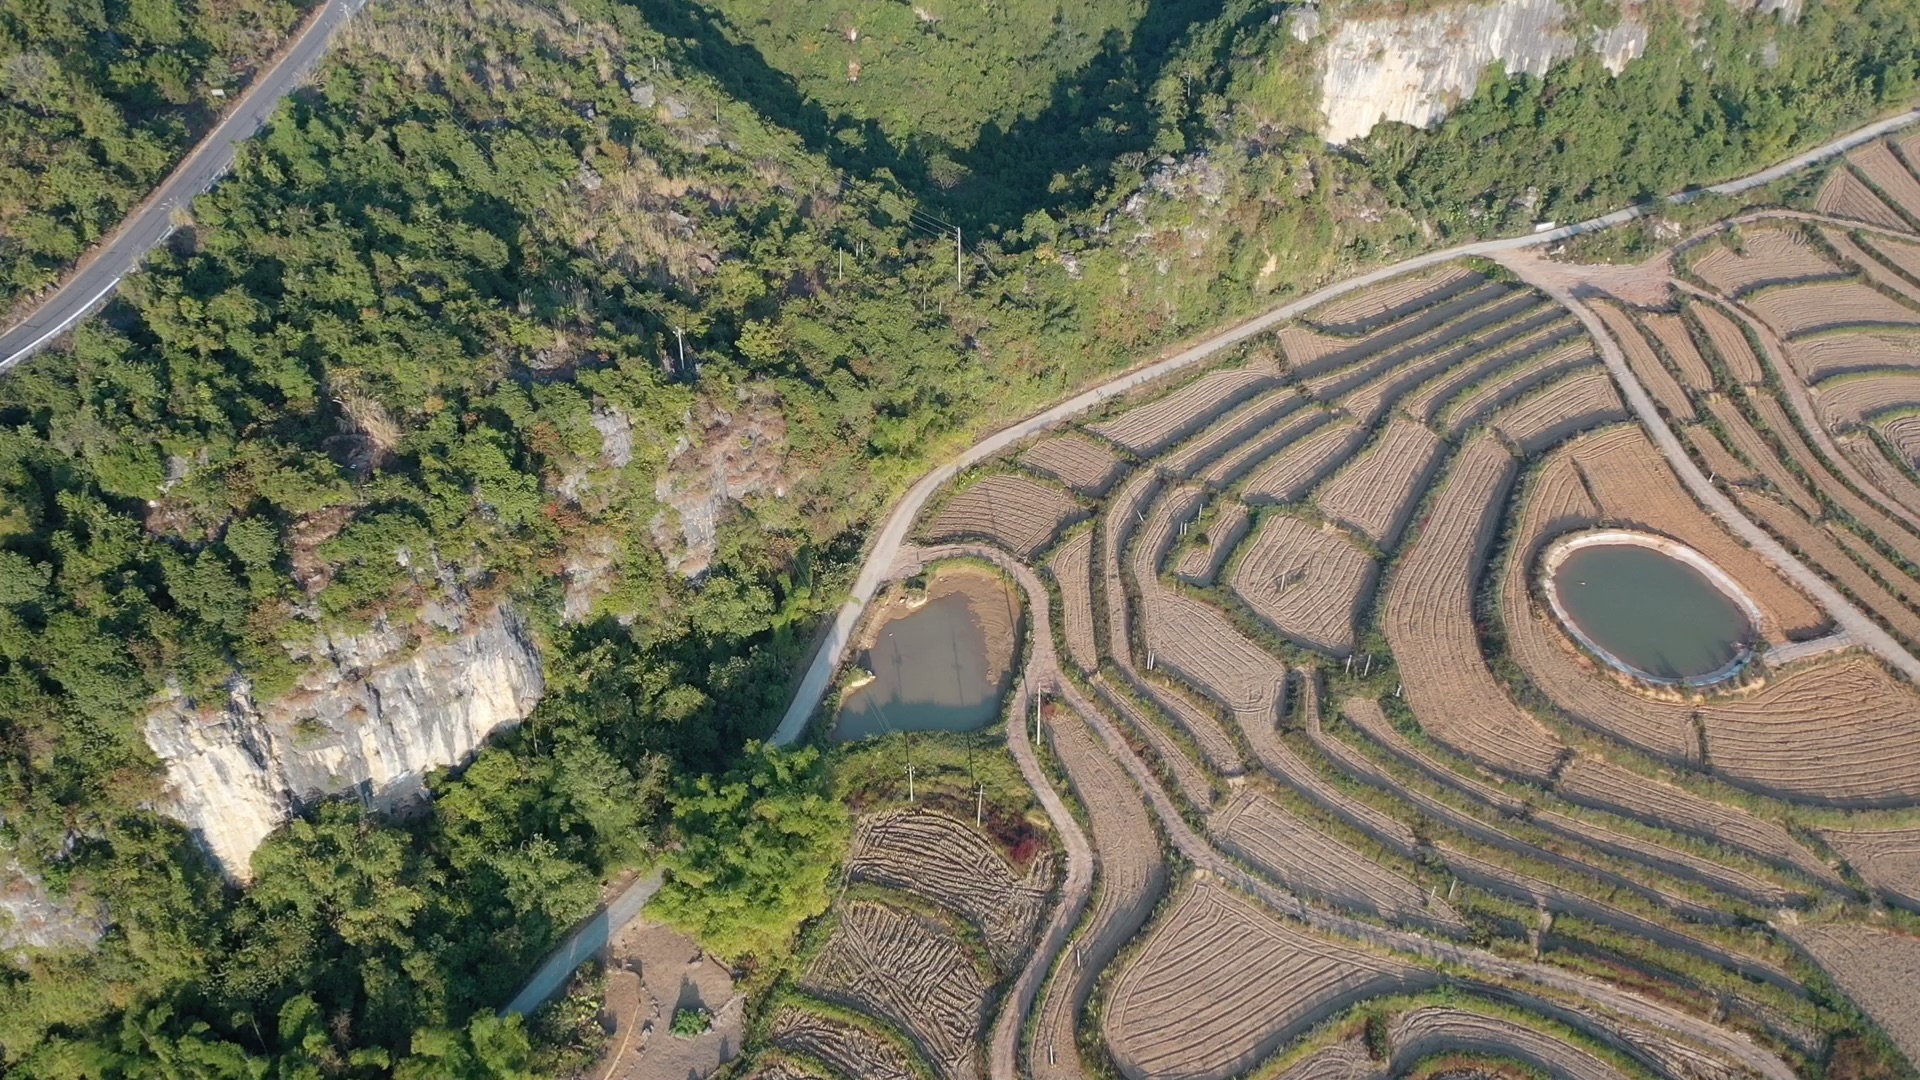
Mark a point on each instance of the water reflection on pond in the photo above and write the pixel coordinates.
(942, 666)
(1655, 613)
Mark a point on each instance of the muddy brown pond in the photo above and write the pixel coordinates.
(942, 664)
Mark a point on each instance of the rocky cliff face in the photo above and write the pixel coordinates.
(370, 719)
(31, 917)
(1413, 68)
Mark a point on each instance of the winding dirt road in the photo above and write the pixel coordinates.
(1043, 672)
(879, 565)
(886, 545)
(1863, 630)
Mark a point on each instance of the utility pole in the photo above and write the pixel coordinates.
(979, 805)
(909, 781)
(956, 257)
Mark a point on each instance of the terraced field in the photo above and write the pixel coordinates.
(1616, 877)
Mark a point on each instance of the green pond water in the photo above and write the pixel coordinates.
(1651, 611)
(930, 674)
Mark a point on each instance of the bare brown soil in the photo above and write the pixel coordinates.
(934, 856)
(1830, 355)
(1227, 469)
(1020, 513)
(1294, 470)
(1845, 195)
(1652, 371)
(1200, 563)
(1259, 414)
(1596, 783)
(1829, 306)
(1882, 471)
(1191, 781)
(1072, 568)
(1715, 458)
(1888, 859)
(1848, 400)
(1674, 336)
(1730, 344)
(1293, 852)
(1263, 981)
(1901, 254)
(1308, 582)
(848, 1050)
(914, 972)
(652, 972)
(1885, 172)
(1768, 255)
(1132, 876)
(1903, 431)
(1437, 1030)
(1433, 397)
(1076, 461)
(1376, 491)
(1190, 638)
(1579, 402)
(1751, 445)
(1822, 548)
(1387, 302)
(1429, 624)
(1843, 732)
(1471, 408)
(1150, 428)
(1880, 969)
(1879, 272)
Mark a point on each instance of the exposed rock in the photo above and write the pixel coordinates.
(724, 458)
(368, 718)
(31, 917)
(588, 576)
(1413, 68)
(616, 435)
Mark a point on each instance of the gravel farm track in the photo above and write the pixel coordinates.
(1499, 370)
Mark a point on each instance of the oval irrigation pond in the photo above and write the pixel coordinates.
(1651, 613)
(942, 666)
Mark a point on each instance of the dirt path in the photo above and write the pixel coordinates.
(1801, 405)
(886, 544)
(879, 564)
(1043, 672)
(1862, 629)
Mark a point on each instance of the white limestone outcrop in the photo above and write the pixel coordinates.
(369, 718)
(1412, 69)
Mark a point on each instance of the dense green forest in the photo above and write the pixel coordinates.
(366, 382)
(98, 99)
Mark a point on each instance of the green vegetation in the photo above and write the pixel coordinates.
(1710, 99)
(760, 850)
(690, 1023)
(97, 102)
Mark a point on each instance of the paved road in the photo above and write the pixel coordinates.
(878, 568)
(1507, 976)
(874, 572)
(588, 939)
(150, 223)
